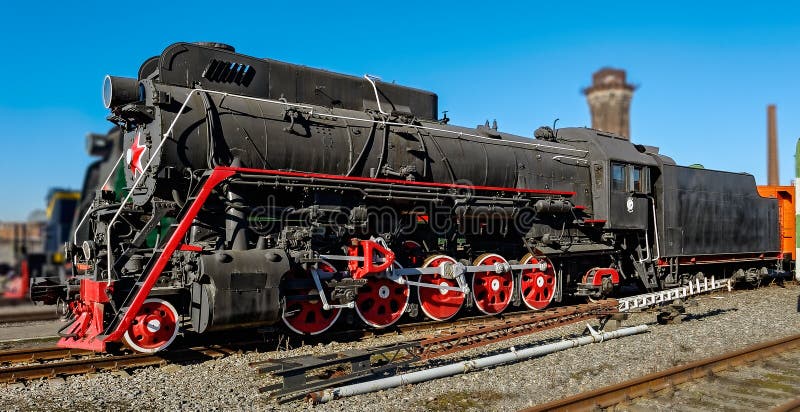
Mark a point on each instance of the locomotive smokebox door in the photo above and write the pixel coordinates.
(628, 203)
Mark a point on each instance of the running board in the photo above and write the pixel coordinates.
(666, 296)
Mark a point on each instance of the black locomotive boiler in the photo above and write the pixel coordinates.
(261, 192)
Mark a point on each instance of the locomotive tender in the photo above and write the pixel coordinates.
(261, 192)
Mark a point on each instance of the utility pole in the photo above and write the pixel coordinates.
(796, 206)
(773, 178)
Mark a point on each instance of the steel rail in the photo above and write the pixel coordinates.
(14, 356)
(647, 385)
(32, 316)
(108, 363)
(504, 329)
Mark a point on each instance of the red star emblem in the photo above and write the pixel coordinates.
(134, 156)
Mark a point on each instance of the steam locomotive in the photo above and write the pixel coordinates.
(259, 192)
(35, 272)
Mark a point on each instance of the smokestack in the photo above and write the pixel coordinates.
(772, 147)
(609, 99)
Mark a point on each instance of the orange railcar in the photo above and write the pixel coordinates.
(786, 215)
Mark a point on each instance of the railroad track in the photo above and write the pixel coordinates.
(760, 377)
(463, 322)
(444, 338)
(46, 363)
(34, 355)
(481, 334)
(50, 362)
(28, 313)
(302, 375)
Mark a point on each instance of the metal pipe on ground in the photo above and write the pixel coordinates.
(466, 366)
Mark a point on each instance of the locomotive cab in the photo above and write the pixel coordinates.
(627, 195)
(621, 179)
(623, 176)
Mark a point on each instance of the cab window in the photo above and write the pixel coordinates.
(617, 177)
(636, 179)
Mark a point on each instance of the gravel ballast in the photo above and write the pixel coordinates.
(716, 323)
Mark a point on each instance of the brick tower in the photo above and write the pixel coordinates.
(609, 99)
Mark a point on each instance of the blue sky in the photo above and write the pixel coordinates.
(706, 70)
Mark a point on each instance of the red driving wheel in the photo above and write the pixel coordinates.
(154, 327)
(537, 286)
(382, 302)
(492, 291)
(303, 312)
(436, 303)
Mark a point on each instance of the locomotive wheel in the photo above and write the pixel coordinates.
(306, 316)
(154, 327)
(382, 302)
(537, 287)
(607, 287)
(439, 304)
(492, 291)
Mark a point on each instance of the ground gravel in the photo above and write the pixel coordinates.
(716, 324)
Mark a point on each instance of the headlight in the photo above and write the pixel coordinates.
(119, 90)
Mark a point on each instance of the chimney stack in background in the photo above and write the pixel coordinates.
(772, 147)
(609, 99)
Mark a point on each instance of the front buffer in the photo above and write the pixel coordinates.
(84, 332)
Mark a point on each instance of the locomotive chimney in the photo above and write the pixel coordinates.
(772, 147)
(609, 99)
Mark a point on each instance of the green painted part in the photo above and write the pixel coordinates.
(697, 166)
(120, 183)
(796, 182)
(160, 230)
(797, 160)
(797, 231)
